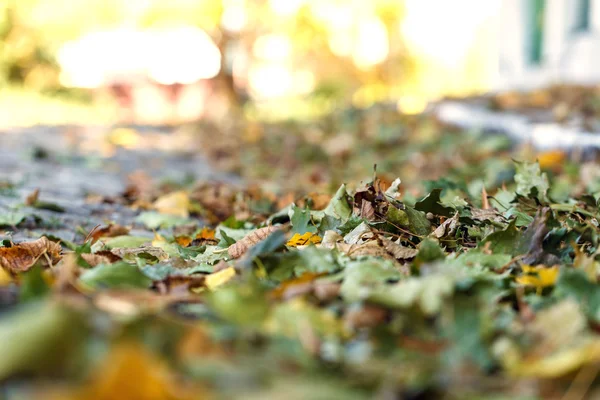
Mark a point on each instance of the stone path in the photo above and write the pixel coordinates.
(69, 163)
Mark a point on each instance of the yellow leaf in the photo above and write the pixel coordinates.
(176, 203)
(551, 159)
(539, 276)
(5, 278)
(304, 239)
(131, 372)
(217, 279)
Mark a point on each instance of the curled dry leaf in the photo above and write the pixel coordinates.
(447, 228)
(238, 249)
(23, 256)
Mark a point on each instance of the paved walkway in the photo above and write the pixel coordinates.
(69, 163)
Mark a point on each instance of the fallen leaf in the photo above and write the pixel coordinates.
(176, 203)
(134, 373)
(214, 280)
(22, 256)
(238, 249)
(112, 230)
(304, 239)
(538, 276)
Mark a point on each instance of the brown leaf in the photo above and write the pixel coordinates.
(447, 228)
(367, 211)
(97, 259)
(364, 316)
(486, 215)
(111, 230)
(238, 249)
(21, 257)
(32, 198)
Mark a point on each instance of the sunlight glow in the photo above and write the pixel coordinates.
(125, 54)
(372, 44)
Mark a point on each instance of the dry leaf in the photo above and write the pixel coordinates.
(217, 279)
(176, 203)
(367, 211)
(295, 287)
(238, 249)
(32, 198)
(183, 240)
(22, 256)
(383, 248)
(97, 259)
(206, 234)
(304, 239)
(157, 252)
(131, 372)
(365, 316)
(447, 228)
(111, 230)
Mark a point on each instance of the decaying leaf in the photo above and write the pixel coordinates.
(447, 228)
(22, 256)
(238, 249)
(304, 239)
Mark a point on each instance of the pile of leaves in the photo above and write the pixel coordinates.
(368, 293)
(343, 146)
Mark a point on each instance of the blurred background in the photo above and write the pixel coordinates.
(160, 61)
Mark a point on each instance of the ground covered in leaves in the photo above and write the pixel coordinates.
(470, 276)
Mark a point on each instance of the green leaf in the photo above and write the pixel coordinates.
(432, 203)
(418, 222)
(226, 240)
(366, 276)
(119, 275)
(429, 251)
(339, 206)
(33, 285)
(302, 220)
(574, 283)
(125, 241)
(529, 177)
(12, 218)
(505, 241)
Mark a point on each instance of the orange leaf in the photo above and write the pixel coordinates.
(206, 234)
